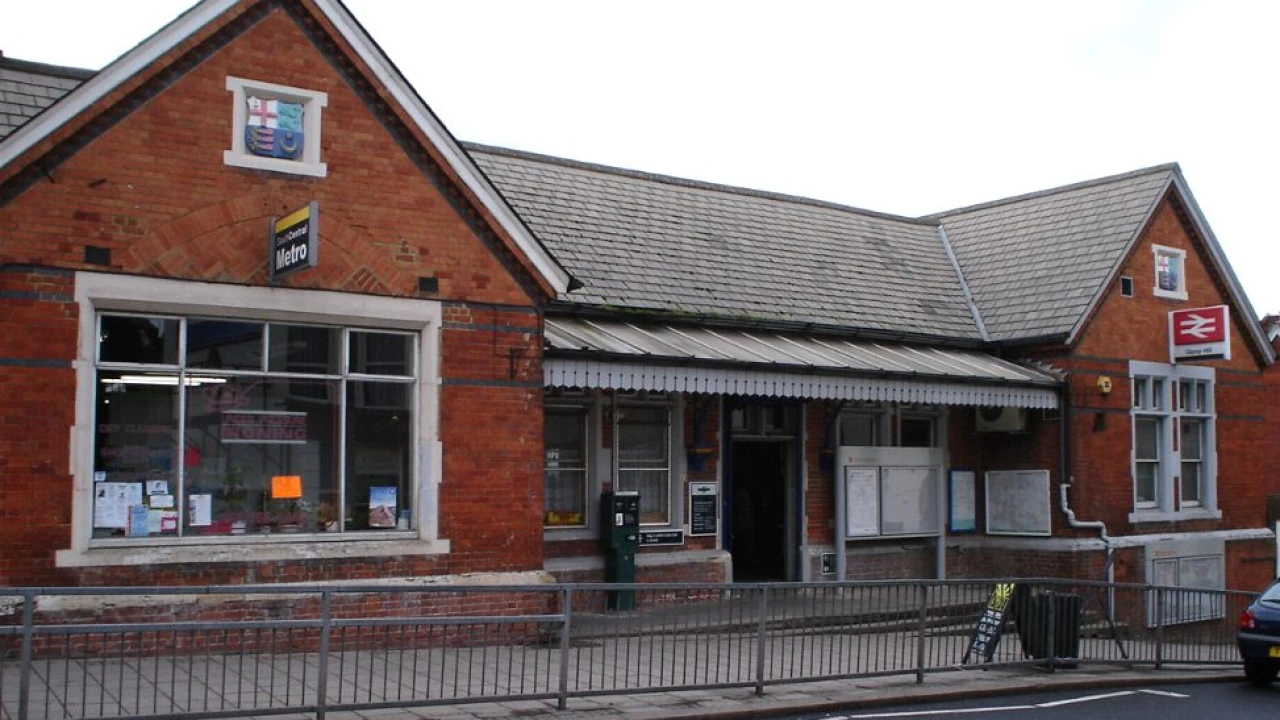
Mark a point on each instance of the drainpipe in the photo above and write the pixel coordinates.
(1064, 438)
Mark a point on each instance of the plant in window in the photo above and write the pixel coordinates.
(232, 497)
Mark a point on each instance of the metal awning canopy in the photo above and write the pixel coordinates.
(665, 358)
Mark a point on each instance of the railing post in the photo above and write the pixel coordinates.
(760, 639)
(1051, 627)
(920, 636)
(322, 680)
(1159, 627)
(28, 630)
(566, 609)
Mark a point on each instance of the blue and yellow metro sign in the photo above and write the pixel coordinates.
(295, 241)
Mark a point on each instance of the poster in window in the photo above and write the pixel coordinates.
(382, 507)
(111, 502)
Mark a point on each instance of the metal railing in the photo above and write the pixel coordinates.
(264, 650)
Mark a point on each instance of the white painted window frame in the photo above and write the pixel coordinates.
(586, 419)
(1159, 251)
(97, 292)
(313, 103)
(675, 467)
(1166, 407)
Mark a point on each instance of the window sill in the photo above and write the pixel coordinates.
(292, 167)
(1151, 516)
(249, 548)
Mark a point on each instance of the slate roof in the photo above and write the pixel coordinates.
(1034, 263)
(662, 244)
(26, 88)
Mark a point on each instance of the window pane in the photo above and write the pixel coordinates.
(642, 437)
(643, 459)
(261, 455)
(381, 354)
(379, 452)
(1139, 392)
(1144, 485)
(564, 467)
(1191, 483)
(138, 340)
(1146, 439)
(917, 432)
(304, 349)
(1157, 394)
(1192, 439)
(858, 430)
(652, 486)
(224, 345)
(135, 448)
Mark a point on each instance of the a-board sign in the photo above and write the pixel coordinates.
(661, 537)
(294, 241)
(986, 633)
(703, 502)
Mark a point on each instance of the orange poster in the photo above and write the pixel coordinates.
(286, 487)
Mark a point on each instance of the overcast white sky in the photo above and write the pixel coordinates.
(901, 107)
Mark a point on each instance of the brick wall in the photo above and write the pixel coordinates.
(149, 185)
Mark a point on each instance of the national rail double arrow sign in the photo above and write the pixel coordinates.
(1200, 333)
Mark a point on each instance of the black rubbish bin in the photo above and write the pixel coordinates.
(1040, 615)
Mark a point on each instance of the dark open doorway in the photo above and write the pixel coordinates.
(759, 492)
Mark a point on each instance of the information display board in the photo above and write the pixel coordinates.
(962, 501)
(703, 503)
(1018, 502)
(908, 500)
(862, 501)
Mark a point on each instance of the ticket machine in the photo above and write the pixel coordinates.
(620, 520)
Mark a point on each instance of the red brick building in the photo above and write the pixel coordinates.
(798, 390)
(172, 413)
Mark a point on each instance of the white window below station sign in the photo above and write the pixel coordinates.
(1173, 457)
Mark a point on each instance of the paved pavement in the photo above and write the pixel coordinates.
(843, 695)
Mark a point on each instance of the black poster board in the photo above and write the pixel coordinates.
(986, 633)
(703, 502)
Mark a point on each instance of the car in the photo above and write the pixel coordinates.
(1259, 637)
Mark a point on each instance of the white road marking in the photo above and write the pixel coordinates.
(1006, 708)
(1086, 698)
(960, 711)
(1164, 693)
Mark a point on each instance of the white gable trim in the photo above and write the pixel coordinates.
(1238, 297)
(190, 22)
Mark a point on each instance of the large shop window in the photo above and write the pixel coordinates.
(564, 469)
(217, 427)
(643, 436)
(1173, 460)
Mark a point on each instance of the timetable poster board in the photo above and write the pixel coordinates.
(1018, 502)
(861, 501)
(704, 500)
(962, 501)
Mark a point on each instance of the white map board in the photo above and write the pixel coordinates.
(908, 500)
(1018, 502)
(861, 501)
